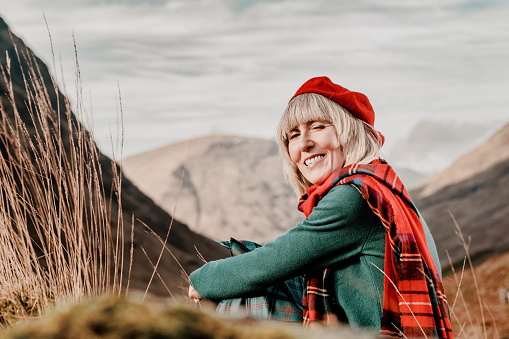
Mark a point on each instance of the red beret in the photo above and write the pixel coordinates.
(355, 102)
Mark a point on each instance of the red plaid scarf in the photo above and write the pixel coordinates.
(414, 302)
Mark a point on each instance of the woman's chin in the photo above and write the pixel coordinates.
(319, 181)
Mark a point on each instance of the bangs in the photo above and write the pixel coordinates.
(303, 109)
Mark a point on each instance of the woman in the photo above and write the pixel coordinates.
(367, 256)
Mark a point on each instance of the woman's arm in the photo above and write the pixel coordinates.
(336, 230)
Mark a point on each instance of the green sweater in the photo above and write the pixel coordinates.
(342, 234)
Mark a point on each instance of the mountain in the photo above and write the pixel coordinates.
(487, 155)
(473, 190)
(232, 186)
(182, 240)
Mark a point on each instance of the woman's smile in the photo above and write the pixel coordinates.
(313, 160)
(315, 150)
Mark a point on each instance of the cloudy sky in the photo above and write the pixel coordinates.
(187, 68)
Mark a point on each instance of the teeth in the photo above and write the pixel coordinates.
(313, 160)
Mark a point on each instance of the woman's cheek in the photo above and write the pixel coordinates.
(293, 154)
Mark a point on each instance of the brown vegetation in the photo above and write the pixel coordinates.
(56, 240)
(493, 278)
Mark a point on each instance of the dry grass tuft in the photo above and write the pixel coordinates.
(493, 276)
(474, 296)
(56, 240)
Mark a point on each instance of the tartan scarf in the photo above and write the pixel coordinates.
(414, 302)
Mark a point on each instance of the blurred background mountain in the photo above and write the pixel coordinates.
(235, 186)
(473, 190)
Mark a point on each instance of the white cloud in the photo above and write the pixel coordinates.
(201, 66)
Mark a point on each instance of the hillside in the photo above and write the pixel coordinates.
(492, 278)
(487, 155)
(474, 190)
(232, 186)
(182, 240)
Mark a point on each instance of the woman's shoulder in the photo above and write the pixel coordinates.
(344, 209)
(344, 193)
(342, 199)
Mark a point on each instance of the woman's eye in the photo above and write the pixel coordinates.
(293, 136)
(318, 126)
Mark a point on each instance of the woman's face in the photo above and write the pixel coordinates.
(315, 150)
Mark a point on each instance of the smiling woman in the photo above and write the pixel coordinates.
(363, 255)
(314, 148)
(355, 138)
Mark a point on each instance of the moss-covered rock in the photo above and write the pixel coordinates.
(117, 318)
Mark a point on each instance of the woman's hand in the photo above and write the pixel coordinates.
(193, 294)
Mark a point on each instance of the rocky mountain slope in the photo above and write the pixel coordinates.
(473, 190)
(182, 240)
(232, 186)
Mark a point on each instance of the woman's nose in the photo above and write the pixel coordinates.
(306, 143)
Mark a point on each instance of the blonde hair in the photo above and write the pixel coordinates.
(359, 142)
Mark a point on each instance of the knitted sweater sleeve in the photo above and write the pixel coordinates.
(335, 231)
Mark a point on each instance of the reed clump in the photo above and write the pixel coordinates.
(59, 238)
